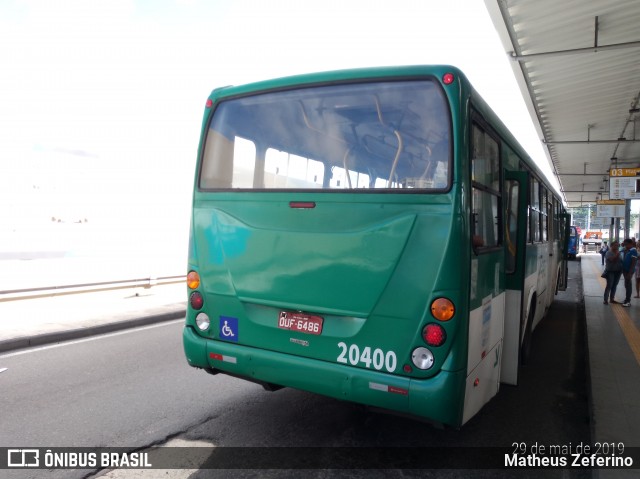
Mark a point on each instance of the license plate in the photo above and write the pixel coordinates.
(300, 322)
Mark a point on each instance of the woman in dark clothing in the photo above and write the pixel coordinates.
(612, 271)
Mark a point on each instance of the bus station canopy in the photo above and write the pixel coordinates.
(577, 64)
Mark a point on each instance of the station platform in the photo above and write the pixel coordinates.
(613, 336)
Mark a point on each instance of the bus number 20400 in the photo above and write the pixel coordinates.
(351, 354)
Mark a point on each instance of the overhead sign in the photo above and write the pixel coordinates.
(599, 223)
(610, 208)
(624, 183)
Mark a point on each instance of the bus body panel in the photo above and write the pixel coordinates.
(485, 348)
(274, 263)
(439, 397)
(486, 325)
(510, 362)
(379, 275)
(535, 283)
(483, 382)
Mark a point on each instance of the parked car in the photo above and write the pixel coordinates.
(592, 237)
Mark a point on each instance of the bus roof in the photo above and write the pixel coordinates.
(393, 72)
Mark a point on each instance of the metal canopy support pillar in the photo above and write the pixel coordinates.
(612, 223)
(627, 218)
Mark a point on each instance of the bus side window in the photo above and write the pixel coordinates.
(217, 162)
(485, 170)
(535, 210)
(244, 162)
(286, 170)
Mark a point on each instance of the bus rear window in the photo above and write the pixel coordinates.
(382, 136)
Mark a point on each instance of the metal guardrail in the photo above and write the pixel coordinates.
(50, 291)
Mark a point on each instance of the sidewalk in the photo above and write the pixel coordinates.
(613, 335)
(33, 322)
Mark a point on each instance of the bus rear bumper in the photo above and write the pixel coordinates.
(438, 399)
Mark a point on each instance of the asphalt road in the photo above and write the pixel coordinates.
(134, 389)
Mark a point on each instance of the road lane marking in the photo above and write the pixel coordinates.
(91, 338)
(628, 327)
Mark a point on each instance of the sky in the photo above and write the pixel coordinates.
(101, 102)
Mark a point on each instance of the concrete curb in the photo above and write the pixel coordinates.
(66, 335)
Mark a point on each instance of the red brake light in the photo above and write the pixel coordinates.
(448, 78)
(302, 204)
(209, 103)
(434, 334)
(196, 300)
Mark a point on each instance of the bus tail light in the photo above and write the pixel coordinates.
(196, 300)
(422, 358)
(448, 78)
(434, 334)
(202, 321)
(442, 309)
(193, 280)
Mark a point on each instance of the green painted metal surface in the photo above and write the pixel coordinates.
(368, 263)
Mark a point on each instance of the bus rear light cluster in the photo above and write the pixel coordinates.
(196, 301)
(193, 281)
(433, 334)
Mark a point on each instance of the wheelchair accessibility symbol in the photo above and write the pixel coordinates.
(229, 328)
(227, 331)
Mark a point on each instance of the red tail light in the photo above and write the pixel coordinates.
(434, 334)
(196, 300)
(448, 78)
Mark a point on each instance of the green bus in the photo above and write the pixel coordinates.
(372, 235)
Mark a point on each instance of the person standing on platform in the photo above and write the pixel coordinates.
(628, 268)
(612, 271)
(603, 251)
(637, 272)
